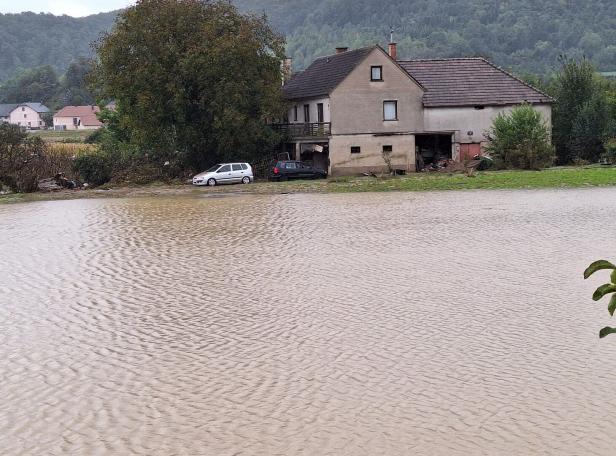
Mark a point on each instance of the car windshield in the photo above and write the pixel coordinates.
(213, 168)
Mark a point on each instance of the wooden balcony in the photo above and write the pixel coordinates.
(305, 130)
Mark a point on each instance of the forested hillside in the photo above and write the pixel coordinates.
(31, 40)
(524, 35)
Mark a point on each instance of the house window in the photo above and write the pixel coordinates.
(320, 112)
(75, 121)
(25, 116)
(23, 109)
(376, 73)
(479, 107)
(295, 113)
(306, 113)
(388, 149)
(355, 149)
(390, 110)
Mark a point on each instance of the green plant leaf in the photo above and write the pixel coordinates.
(598, 266)
(606, 332)
(612, 305)
(613, 276)
(603, 290)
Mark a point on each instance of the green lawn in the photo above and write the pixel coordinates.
(549, 178)
(59, 136)
(565, 177)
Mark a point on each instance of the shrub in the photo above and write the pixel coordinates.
(520, 139)
(23, 160)
(94, 168)
(610, 151)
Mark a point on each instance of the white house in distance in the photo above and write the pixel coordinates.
(27, 115)
(77, 118)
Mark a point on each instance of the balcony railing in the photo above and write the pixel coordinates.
(296, 130)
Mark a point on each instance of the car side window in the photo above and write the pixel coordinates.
(291, 165)
(224, 169)
(237, 167)
(244, 166)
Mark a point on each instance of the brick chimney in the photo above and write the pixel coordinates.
(341, 50)
(393, 51)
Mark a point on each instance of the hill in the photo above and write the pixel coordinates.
(525, 35)
(29, 40)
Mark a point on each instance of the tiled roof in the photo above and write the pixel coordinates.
(6, 109)
(324, 74)
(87, 114)
(38, 107)
(469, 82)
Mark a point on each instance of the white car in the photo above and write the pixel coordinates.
(225, 173)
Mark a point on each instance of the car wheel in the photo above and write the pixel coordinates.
(211, 182)
(245, 180)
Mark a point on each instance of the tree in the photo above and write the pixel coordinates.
(193, 80)
(521, 139)
(75, 90)
(604, 290)
(38, 85)
(580, 113)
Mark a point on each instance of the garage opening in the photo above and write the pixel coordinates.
(432, 148)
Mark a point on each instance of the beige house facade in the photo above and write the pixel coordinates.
(26, 115)
(77, 118)
(353, 111)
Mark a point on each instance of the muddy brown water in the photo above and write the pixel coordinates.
(452, 323)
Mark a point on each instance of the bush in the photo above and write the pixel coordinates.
(23, 160)
(610, 151)
(94, 168)
(520, 139)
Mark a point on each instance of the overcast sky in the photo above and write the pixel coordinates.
(75, 8)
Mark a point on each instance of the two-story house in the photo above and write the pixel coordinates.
(350, 109)
(27, 115)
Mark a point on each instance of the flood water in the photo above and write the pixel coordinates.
(452, 323)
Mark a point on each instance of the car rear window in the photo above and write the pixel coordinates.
(290, 165)
(244, 166)
(237, 167)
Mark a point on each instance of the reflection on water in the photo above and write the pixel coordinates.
(438, 324)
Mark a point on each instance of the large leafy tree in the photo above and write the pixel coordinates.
(74, 90)
(194, 80)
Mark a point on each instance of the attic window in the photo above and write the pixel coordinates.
(355, 149)
(376, 73)
(479, 107)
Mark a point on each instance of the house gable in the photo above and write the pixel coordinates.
(357, 102)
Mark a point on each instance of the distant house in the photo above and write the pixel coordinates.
(77, 118)
(347, 110)
(27, 115)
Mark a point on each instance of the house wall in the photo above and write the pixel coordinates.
(26, 117)
(313, 110)
(357, 118)
(468, 119)
(370, 158)
(67, 122)
(357, 102)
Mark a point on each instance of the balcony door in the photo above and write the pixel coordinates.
(307, 113)
(320, 113)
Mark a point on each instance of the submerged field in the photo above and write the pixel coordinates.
(550, 178)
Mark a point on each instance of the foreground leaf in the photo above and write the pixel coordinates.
(606, 332)
(598, 266)
(603, 290)
(612, 305)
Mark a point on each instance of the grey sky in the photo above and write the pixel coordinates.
(75, 8)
